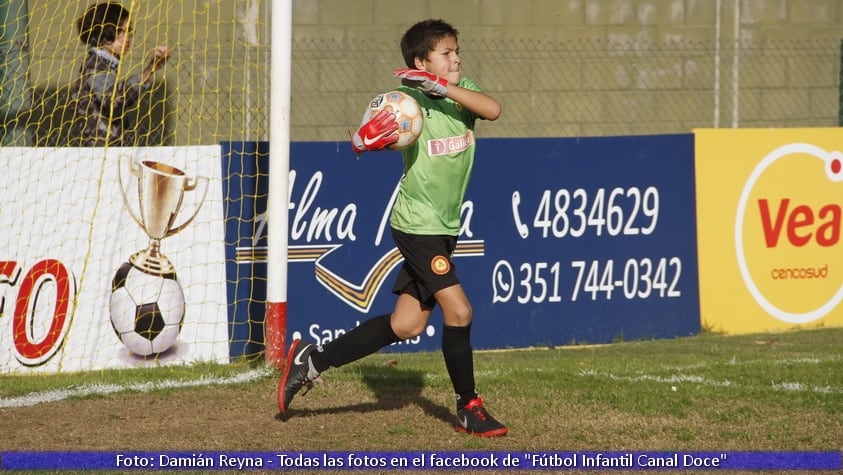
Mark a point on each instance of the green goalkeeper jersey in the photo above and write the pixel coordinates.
(437, 167)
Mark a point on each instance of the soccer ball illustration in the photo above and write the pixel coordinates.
(146, 310)
(408, 116)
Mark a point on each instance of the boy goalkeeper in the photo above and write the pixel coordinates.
(425, 224)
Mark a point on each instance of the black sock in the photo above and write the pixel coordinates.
(369, 337)
(459, 359)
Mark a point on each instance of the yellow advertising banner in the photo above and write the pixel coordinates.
(769, 228)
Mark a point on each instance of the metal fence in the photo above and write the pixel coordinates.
(593, 88)
(583, 87)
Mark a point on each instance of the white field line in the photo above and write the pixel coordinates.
(734, 362)
(674, 378)
(103, 389)
(683, 378)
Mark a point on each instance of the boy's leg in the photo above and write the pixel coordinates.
(360, 341)
(456, 341)
(472, 416)
(406, 321)
(306, 361)
(459, 360)
(410, 316)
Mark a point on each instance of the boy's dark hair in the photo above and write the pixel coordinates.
(99, 24)
(421, 38)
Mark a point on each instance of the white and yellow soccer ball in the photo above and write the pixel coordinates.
(147, 311)
(408, 116)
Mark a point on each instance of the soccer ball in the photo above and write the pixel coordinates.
(408, 116)
(146, 310)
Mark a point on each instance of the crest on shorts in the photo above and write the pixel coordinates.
(440, 265)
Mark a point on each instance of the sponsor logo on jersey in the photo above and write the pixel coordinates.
(450, 145)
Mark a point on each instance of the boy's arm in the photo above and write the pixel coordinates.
(485, 106)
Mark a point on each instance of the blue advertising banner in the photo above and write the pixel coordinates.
(245, 183)
(585, 240)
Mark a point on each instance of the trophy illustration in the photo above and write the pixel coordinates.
(161, 189)
(147, 301)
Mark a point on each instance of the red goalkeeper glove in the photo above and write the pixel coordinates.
(376, 134)
(422, 80)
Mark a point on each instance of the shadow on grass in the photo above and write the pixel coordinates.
(392, 388)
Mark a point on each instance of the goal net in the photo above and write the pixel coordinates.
(129, 254)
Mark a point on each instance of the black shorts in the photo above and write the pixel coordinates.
(427, 265)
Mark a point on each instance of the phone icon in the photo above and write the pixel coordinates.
(522, 228)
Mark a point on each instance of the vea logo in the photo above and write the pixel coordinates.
(787, 232)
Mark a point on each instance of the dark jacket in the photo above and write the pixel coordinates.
(100, 102)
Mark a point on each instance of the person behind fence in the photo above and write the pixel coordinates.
(99, 98)
(425, 224)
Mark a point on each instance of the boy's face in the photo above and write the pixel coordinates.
(444, 60)
(122, 41)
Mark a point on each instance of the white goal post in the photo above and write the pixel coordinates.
(279, 164)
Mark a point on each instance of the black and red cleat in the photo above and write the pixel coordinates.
(474, 419)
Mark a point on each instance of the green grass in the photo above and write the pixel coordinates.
(799, 369)
(778, 392)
